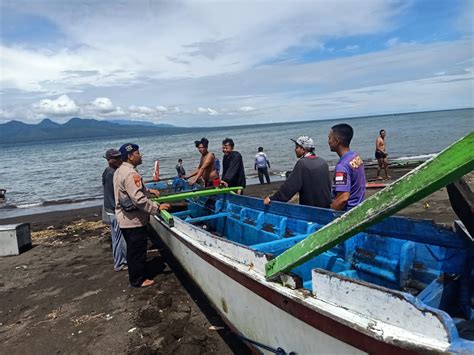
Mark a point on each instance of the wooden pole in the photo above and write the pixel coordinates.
(195, 193)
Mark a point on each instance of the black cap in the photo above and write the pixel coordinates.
(112, 153)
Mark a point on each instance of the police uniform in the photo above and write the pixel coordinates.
(133, 210)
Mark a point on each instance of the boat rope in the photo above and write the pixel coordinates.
(278, 351)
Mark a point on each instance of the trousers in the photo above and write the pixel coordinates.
(119, 246)
(136, 239)
(263, 172)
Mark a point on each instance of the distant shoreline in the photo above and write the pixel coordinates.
(176, 130)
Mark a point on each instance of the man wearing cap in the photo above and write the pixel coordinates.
(206, 171)
(133, 209)
(310, 177)
(349, 174)
(119, 247)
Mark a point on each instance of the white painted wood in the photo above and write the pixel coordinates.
(260, 320)
(13, 237)
(389, 313)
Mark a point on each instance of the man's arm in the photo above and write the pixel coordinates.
(133, 187)
(290, 187)
(200, 171)
(340, 202)
(268, 161)
(342, 187)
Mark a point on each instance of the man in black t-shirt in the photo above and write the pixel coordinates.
(233, 173)
(310, 178)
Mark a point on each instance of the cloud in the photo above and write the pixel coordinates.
(102, 105)
(246, 109)
(62, 106)
(208, 110)
(229, 39)
(141, 110)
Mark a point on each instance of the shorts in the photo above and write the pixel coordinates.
(380, 155)
(213, 183)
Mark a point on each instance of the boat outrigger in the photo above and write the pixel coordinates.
(302, 280)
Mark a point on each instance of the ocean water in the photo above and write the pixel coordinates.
(63, 172)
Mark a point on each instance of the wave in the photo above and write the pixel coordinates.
(417, 157)
(67, 201)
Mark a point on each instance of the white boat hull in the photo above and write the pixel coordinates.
(251, 315)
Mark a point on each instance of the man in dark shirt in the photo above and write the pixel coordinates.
(310, 177)
(119, 247)
(233, 173)
(180, 169)
(349, 174)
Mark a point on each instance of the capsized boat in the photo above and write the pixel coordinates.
(397, 286)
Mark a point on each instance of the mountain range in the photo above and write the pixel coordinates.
(79, 128)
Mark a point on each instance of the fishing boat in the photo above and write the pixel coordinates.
(292, 279)
(169, 185)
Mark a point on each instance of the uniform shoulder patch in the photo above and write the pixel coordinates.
(340, 178)
(138, 180)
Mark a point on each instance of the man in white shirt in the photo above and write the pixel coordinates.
(262, 164)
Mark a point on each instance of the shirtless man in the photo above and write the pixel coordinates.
(206, 171)
(381, 155)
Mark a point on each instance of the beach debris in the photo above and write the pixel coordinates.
(86, 318)
(426, 205)
(108, 317)
(215, 327)
(55, 313)
(132, 330)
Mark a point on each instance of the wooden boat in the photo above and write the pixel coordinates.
(397, 286)
(169, 185)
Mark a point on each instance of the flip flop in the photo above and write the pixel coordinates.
(147, 283)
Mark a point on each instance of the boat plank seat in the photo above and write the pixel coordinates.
(206, 218)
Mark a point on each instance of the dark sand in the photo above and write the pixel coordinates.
(62, 296)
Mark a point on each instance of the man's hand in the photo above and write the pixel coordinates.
(267, 201)
(154, 192)
(224, 184)
(165, 206)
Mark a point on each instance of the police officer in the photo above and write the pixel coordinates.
(133, 209)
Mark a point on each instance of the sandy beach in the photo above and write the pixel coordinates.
(63, 296)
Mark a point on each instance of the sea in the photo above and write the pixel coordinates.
(50, 176)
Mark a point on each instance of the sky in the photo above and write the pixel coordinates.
(219, 63)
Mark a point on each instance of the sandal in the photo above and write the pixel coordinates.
(147, 283)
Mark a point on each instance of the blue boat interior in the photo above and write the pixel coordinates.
(429, 261)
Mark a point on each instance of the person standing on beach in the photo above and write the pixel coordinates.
(119, 247)
(133, 209)
(180, 169)
(381, 155)
(206, 170)
(349, 174)
(233, 173)
(262, 164)
(310, 178)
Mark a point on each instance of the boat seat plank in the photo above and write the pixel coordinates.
(206, 218)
